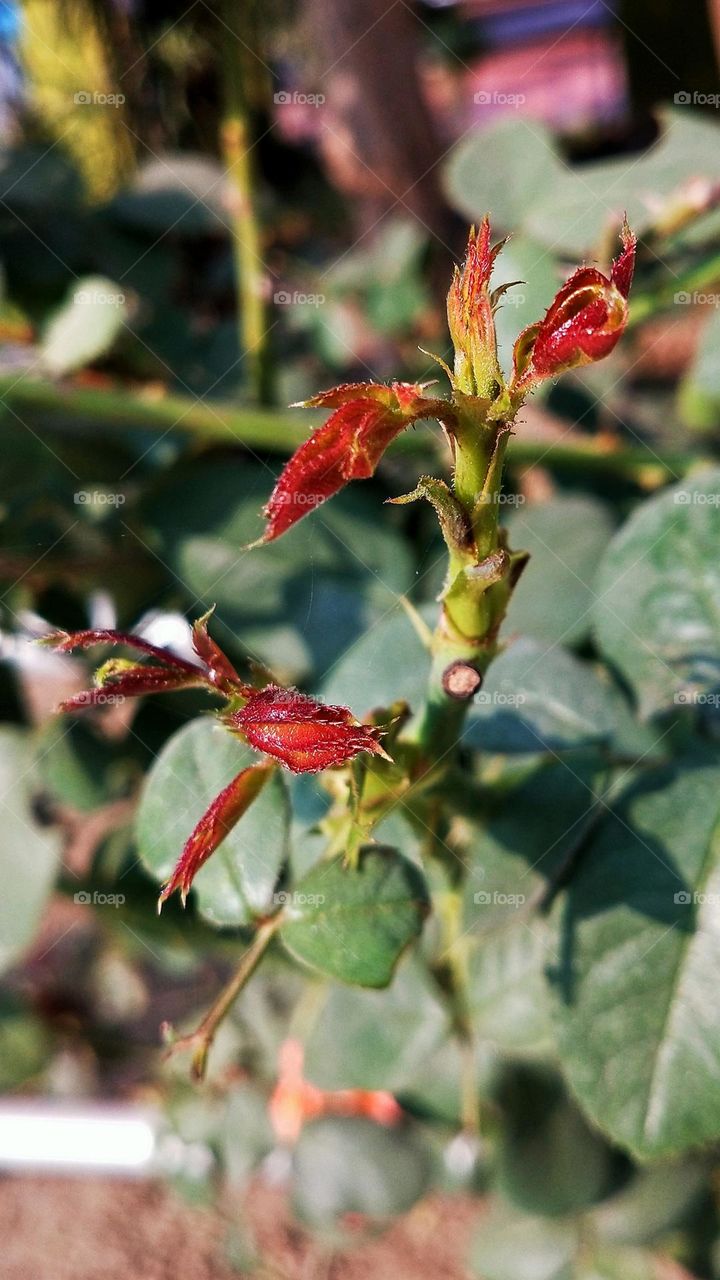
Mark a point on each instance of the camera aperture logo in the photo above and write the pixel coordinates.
(498, 98)
(686, 898)
(294, 98)
(98, 498)
(290, 899)
(484, 898)
(295, 298)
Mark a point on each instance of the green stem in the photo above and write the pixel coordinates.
(200, 1041)
(236, 139)
(68, 406)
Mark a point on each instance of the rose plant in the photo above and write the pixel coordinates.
(558, 905)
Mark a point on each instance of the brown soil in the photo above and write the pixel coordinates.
(92, 1229)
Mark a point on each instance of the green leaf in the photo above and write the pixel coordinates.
(354, 923)
(298, 603)
(508, 994)
(77, 767)
(389, 662)
(504, 170)
(639, 948)
(575, 211)
(513, 1246)
(533, 824)
(549, 1160)
(377, 1040)
(354, 1166)
(535, 699)
(566, 538)
(29, 854)
(238, 880)
(657, 614)
(658, 1199)
(85, 326)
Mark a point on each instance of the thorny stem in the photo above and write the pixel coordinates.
(200, 1040)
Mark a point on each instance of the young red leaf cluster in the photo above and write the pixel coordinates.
(583, 323)
(290, 728)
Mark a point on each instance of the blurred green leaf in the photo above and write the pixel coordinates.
(658, 600)
(29, 854)
(536, 699)
(354, 1166)
(85, 327)
(550, 1161)
(387, 663)
(508, 994)
(503, 170)
(377, 1040)
(297, 603)
(576, 209)
(566, 538)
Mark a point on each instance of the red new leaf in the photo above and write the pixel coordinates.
(221, 670)
(470, 310)
(347, 447)
(584, 322)
(225, 811)
(67, 641)
(305, 735)
(131, 682)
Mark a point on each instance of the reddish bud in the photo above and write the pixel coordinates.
(303, 734)
(225, 811)
(347, 447)
(470, 307)
(583, 323)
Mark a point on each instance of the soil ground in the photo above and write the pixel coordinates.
(102, 1229)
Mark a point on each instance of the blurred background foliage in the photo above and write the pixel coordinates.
(208, 212)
